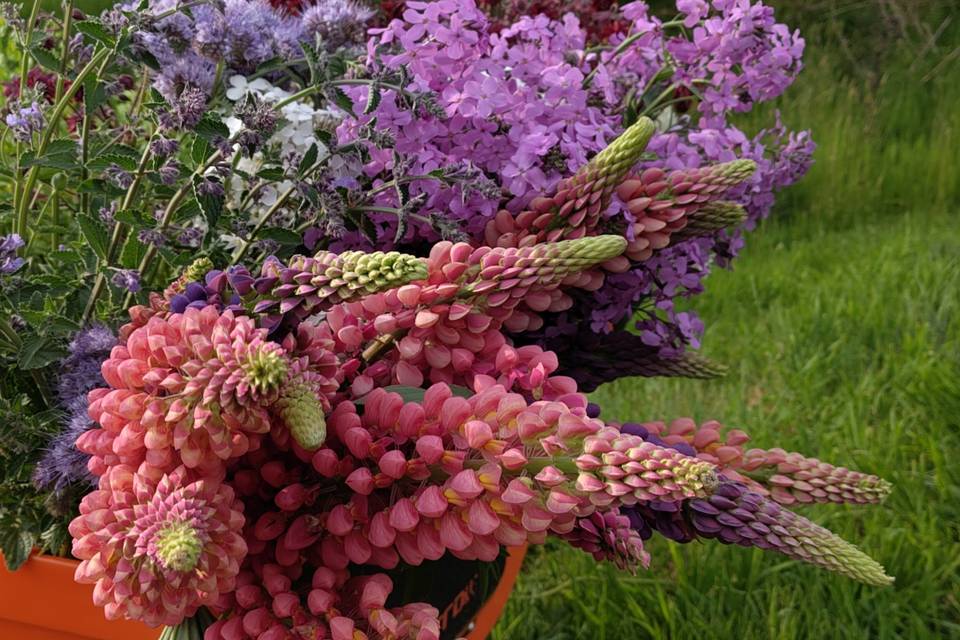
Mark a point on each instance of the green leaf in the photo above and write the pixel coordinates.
(210, 205)
(341, 99)
(211, 128)
(123, 150)
(105, 160)
(92, 28)
(200, 150)
(308, 160)
(16, 546)
(271, 174)
(95, 234)
(45, 58)
(100, 187)
(60, 154)
(133, 252)
(283, 236)
(134, 218)
(94, 94)
(37, 352)
(373, 98)
(336, 67)
(416, 394)
(313, 62)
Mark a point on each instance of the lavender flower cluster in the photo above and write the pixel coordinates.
(63, 464)
(238, 35)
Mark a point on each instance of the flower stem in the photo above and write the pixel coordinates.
(117, 237)
(26, 194)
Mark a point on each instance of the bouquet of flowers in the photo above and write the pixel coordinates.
(291, 301)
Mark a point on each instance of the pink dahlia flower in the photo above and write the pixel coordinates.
(157, 553)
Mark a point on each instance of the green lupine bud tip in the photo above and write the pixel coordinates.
(625, 151)
(593, 249)
(739, 170)
(302, 411)
(197, 269)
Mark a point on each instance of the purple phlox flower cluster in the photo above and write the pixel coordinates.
(63, 464)
(736, 53)
(513, 105)
(529, 105)
(9, 260)
(25, 121)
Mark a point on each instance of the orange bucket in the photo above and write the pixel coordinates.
(40, 601)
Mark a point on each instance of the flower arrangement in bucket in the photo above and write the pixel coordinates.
(297, 299)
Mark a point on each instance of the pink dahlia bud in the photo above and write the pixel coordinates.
(159, 552)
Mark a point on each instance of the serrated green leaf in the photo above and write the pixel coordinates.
(93, 29)
(100, 187)
(308, 160)
(37, 352)
(342, 100)
(336, 67)
(211, 128)
(123, 150)
(313, 61)
(283, 236)
(60, 154)
(16, 545)
(134, 218)
(200, 150)
(133, 252)
(45, 58)
(104, 160)
(95, 234)
(210, 205)
(94, 94)
(373, 98)
(61, 146)
(271, 174)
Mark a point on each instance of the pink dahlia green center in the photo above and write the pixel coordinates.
(178, 546)
(266, 369)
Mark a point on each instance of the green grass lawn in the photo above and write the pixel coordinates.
(841, 327)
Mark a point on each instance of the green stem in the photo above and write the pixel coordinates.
(117, 237)
(64, 49)
(48, 132)
(172, 206)
(282, 200)
(623, 46)
(24, 70)
(25, 43)
(346, 82)
(666, 93)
